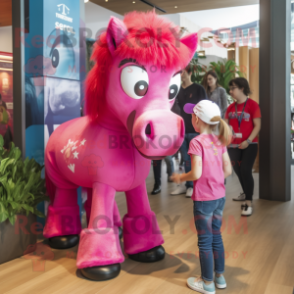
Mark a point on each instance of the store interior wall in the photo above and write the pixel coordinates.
(97, 18)
(6, 39)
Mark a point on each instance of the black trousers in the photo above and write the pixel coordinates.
(157, 171)
(243, 161)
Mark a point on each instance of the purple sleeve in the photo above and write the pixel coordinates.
(195, 148)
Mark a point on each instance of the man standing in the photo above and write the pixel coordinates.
(189, 93)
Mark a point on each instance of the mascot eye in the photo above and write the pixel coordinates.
(55, 58)
(174, 86)
(134, 81)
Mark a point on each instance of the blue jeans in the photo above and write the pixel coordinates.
(184, 152)
(208, 217)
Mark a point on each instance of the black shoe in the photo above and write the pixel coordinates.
(156, 190)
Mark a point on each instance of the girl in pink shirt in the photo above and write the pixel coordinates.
(210, 165)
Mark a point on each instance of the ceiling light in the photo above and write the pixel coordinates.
(86, 1)
(201, 53)
(176, 6)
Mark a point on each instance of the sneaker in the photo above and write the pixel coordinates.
(189, 192)
(246, 210)
(198, 285)
(179, 190)
(220, 282)
(241, 197)
(156, 189)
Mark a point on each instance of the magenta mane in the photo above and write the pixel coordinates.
(150, 40)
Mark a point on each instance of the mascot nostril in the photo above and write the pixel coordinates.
(148, 130)
(94, 151)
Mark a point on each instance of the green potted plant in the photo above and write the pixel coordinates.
(21, 189)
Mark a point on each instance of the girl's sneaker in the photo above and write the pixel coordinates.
(220, 282)
(199, 286)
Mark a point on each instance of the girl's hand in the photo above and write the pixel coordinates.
(176, 178)
(243, 145)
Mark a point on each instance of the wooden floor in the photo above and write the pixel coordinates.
(259, 253)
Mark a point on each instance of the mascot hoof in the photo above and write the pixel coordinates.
(120, 232)
(101, 273)
(152, 255)
(63, 242)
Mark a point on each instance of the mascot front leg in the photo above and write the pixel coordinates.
(142, 237)
(99, 255)
(116, 216)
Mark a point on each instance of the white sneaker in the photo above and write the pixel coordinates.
(189, 192)
(199, 286)
(246, 210)
(241, 197)
(179, 190)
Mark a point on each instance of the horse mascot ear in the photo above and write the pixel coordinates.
(115, 34)
(191, 42)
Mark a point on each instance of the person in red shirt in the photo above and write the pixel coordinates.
(244, 118)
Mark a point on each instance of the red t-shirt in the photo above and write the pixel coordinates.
(251, 111)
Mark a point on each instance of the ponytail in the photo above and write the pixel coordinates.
(225, 133)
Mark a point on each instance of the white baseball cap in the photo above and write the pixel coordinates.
(205, 110)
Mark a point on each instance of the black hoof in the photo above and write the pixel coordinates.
(101, 273)
(63, 242)
(152, 255)
(120, 232)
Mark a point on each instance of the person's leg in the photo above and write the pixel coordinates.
(203, 215)
(248, 158)
(169, 165)
(157, 177)
(236, 160)
(157, 171)
(217, 244)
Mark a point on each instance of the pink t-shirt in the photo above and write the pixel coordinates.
(210, 186)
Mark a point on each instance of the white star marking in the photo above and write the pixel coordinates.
(76, 155)
(72, 167)
(83, 142)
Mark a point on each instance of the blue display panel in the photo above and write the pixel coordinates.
(52, 69)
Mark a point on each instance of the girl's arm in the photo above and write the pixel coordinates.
(256, 130)
(227, 167)
(193, 175)
(254, 133)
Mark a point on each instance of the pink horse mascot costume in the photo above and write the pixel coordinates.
(130, 92)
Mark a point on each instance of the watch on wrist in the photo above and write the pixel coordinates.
(249, 141)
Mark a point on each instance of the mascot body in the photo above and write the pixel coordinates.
(130, 92)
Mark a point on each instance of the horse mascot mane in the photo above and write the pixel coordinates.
(128, 122)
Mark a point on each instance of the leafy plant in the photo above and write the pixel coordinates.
(21, 185)
(198, 71)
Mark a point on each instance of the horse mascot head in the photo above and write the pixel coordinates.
(128, 122)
